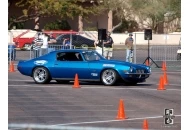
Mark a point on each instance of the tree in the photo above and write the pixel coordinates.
(151, 13)
(34, 9)
(148, 13)
(120, 8)
(57, 25)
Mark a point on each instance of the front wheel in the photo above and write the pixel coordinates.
(109, 77)
(41, 75)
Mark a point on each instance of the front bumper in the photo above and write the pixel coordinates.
(134, 77)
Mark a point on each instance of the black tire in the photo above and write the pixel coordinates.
(41, 75)
(62, 81)
(109, 79)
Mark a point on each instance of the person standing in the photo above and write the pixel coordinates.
(66, 43)
(129, 48)
(108, 46)
(38, 41)
(44, 47)
(98, 46)
(51, 39)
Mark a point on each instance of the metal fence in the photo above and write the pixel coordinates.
(34, 53)
(162, 48)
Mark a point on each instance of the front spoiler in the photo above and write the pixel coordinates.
(134, 77)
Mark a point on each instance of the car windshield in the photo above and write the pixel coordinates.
(91, 55)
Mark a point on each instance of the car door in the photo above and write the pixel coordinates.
(61, 67)
(78, 65)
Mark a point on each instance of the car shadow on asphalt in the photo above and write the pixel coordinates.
(121, 84)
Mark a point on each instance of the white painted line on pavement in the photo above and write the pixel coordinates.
(64, 105)
(68, 110)
(133, 88)
(165, 85)
(20, 80)
(94, 122)
(40, 97)
(91, 87)
(168, 72)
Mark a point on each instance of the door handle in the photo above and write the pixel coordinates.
(55, 64)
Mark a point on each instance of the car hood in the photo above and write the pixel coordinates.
(122, 63)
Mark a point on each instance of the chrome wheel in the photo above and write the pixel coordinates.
(109, 77)
(41, 75)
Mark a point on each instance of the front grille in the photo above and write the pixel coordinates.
(140, 71)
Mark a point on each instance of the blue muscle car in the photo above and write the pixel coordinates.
(62, 66)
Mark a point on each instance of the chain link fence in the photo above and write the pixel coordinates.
(162, 47)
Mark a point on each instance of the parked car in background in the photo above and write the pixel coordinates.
(63, 65)
(25, 38)
(77, 40)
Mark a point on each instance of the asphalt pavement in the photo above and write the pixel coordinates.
(95, 105)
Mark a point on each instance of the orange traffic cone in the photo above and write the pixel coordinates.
(161, 84)
(165, 78)
(147, 62)
(11, 67)
(164, 66)
(121, 111)
(76, 82)
(145, 124)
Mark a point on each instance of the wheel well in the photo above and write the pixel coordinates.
(43, 67)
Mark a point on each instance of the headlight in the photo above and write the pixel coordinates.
(131, 69)
(149, 69)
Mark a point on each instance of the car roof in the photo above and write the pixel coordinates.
(72, 50)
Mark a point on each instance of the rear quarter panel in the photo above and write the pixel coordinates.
(27, 67)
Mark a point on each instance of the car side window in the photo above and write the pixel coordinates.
(69, 56)
(79, 57)
(61, 56)
(73, 56)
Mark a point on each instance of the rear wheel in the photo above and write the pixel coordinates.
(41, 75)
(109, 77)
